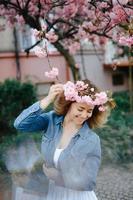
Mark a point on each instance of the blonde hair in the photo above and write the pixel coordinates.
(98, 118)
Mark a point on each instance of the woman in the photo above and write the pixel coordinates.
(71, 150)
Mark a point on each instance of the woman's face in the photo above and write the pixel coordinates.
(80, 112)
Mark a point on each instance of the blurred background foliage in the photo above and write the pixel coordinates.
(116, 136)
(14, 97)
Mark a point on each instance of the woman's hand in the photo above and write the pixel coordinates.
(51, 173)
(53, 92)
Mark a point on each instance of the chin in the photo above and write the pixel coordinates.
(80, 122)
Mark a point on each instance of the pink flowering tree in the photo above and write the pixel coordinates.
(65, 23)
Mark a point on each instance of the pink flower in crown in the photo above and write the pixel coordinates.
(78, 98)
(80, 85)
(101, 98)
(102, 108)
(92, 89)
(53, 73)
(69, 85)
(87, 99)
(71, 94)
(70, 91)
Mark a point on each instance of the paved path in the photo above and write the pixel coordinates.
(115, 183)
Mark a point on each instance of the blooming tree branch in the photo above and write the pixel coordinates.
(70, 21)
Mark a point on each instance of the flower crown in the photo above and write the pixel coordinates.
(71, 91)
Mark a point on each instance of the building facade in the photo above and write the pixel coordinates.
(94, 65)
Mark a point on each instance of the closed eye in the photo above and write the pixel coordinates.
(80, 110)
(89, 111)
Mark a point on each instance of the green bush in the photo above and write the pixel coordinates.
(117, 144)
(117, 136)
(14, 97)
(122, 101)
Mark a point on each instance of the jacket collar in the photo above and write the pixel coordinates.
(84, 131)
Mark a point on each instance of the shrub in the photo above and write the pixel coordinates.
(14, 97)
(117, 136)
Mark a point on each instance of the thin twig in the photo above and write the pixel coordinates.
(49, 59)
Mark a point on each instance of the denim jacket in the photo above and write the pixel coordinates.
(79, 162)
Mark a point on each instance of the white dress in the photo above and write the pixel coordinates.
(61, 193)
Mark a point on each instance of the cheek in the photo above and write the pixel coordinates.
(89, 115)
(77, 114)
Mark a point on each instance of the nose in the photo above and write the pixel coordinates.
(84, 115)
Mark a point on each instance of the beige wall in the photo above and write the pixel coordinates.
(97, 73)
(33, 69)
(6, 38)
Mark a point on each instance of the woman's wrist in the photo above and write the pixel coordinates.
(45, 102)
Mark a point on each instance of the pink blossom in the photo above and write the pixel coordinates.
(74, 20)
(36, 33)
(101, 98)
(101, 108)
(123, 2)
(89, 25)
(103, 5)
(80, 85)
(71, 93)
(33, 9)
(20, 19)
(92, 89)
(82, 33)
(40, 52)
(86, 99)
(70, 10)
(74, 47)
(118, 15)
(44, 27)
(51, 36)
(53, 73)
(77, 66)
(126, 41)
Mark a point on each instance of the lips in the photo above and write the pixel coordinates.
(81, 119)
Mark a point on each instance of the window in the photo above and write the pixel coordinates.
(118, 79)
(25, 38)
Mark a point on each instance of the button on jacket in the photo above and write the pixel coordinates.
(79, 162)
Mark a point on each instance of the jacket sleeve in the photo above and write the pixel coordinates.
(32, 119)
(83, 177)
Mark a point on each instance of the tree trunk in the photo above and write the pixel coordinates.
(18, 70)
(69, 59)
